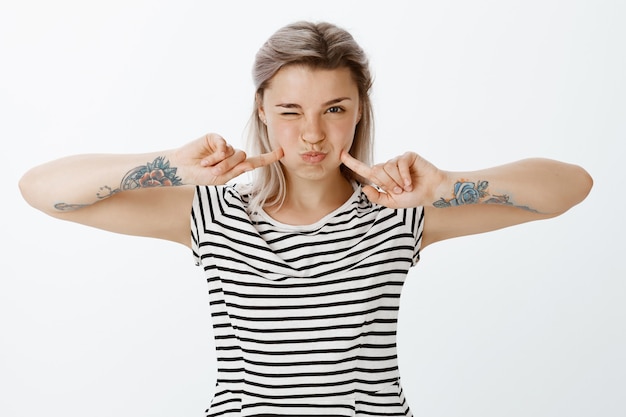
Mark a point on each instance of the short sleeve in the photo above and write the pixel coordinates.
(212, 208)
(196, 215)
(417, 228)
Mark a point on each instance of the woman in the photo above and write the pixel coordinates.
(306, 263)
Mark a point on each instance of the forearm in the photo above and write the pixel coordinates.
(538, 185)
(76, 181)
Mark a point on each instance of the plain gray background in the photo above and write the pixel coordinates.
(528, 321)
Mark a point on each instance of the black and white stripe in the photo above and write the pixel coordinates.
(305, 317)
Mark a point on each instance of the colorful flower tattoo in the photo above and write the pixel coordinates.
(157, 173)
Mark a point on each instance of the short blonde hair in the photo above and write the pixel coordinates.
(318, 45)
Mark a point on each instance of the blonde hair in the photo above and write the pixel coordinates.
(318, 45)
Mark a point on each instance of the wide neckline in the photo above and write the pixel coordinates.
(311, 226)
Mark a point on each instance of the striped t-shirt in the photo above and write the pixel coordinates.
(304, 317)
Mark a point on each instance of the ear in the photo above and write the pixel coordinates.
(260, 109)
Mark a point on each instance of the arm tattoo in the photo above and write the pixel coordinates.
(155, 174)
(466, 192)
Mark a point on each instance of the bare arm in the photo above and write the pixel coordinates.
(464, 203)
(490, 199)
(143, 194)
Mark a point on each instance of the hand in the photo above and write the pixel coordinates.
(404, 181)
(210, 160)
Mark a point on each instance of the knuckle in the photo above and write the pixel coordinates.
(213, 137)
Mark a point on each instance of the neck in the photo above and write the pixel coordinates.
(306, 201)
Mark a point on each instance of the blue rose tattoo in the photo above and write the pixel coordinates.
(466, 192)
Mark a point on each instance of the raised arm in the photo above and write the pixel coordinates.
(142, 194)
(464, 203)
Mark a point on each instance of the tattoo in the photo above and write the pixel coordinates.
(105, 192)
(155, 174)
(69, 207)
(109, 192)
(466, 192)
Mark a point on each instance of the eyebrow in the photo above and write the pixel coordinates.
(328, 103)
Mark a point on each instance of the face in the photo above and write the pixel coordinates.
(312, 115)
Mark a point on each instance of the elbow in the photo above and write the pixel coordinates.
(585, 184)
(31, 187)
(579, 186)
(25, 186)
(570, 186)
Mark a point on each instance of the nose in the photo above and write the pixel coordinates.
(313, 130)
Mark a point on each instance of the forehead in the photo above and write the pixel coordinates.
(296, 83)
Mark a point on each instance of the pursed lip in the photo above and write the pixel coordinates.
(313, 156)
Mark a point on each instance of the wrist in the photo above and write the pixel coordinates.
(442, 188)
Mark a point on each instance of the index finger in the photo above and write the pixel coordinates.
(355, 165)
(264, 159)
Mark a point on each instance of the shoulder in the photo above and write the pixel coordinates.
(221, 199)
(226, 191)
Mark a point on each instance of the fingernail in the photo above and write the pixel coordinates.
(397, 190)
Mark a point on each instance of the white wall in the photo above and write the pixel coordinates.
(528, 321)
